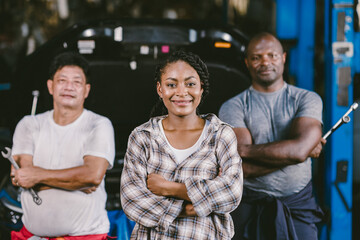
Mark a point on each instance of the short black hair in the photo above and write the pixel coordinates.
(69, 59)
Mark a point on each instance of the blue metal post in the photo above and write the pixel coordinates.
(295, 20)
(339, 37)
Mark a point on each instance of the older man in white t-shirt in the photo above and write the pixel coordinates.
(64, 154)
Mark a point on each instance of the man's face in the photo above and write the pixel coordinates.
(265, 61)
(69, 87)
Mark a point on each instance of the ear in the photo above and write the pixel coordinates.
(87, 90)
(246, 62)
(50, 86)
(284, 57)
(159, 90)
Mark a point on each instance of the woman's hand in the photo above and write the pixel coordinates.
(188, 211)
(157, 184)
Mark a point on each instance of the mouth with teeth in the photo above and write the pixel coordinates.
(182, 102)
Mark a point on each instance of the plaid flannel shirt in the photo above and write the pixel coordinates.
(213, 196)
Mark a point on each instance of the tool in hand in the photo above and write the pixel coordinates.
(7, 155)
(344, 119)
(35, 94)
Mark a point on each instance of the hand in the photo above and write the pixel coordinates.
(157, 184)
(220, 172)
(41, 187)
(188, 211)
(315, 153)
(89, 190)
(12, 176)
(25, 177)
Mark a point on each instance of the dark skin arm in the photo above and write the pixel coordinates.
(85, 177)
(304, 141)
(158, 185)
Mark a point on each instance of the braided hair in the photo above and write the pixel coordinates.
(195, 62)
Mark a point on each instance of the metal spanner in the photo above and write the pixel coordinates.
(344, 119)
(7, 155)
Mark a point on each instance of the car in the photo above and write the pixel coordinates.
(123, 54)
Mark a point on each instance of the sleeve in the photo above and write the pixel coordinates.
(232, 112)
(23, 139)
(139, 203)
(101, 141)
(310, 105)
(222, 194)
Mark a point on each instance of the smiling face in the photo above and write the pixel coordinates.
(265, 61)
(69, 88)
(180, 88)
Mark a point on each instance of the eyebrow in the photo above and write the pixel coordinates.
(76, 76)
(175, 79)
(272, 51)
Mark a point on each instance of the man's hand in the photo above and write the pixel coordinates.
(41, 187)
(157, 184)
(25, 177)
(12, 176)
(88, 190)
(315, 153)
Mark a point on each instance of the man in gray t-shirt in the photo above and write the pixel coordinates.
(278, 128)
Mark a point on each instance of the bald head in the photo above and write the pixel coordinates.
(265, 59)
(264, 37)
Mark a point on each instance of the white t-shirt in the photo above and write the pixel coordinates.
(58, 147)
(182, 154)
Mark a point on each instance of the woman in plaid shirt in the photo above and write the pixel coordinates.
(182, 174)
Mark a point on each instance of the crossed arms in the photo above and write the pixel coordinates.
(304, 140)
(85, 177)
(152, 197)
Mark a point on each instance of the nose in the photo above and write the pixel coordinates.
(69, 85)
(265, 60)
(181, 90)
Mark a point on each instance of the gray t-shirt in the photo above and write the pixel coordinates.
(268, 117)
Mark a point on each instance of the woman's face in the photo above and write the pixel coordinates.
(180, 88)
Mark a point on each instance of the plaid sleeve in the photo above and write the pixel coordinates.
(138, 203)
(222, 194)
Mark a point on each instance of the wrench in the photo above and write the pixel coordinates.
(35, 94)
(7, 155)
(344, 119)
